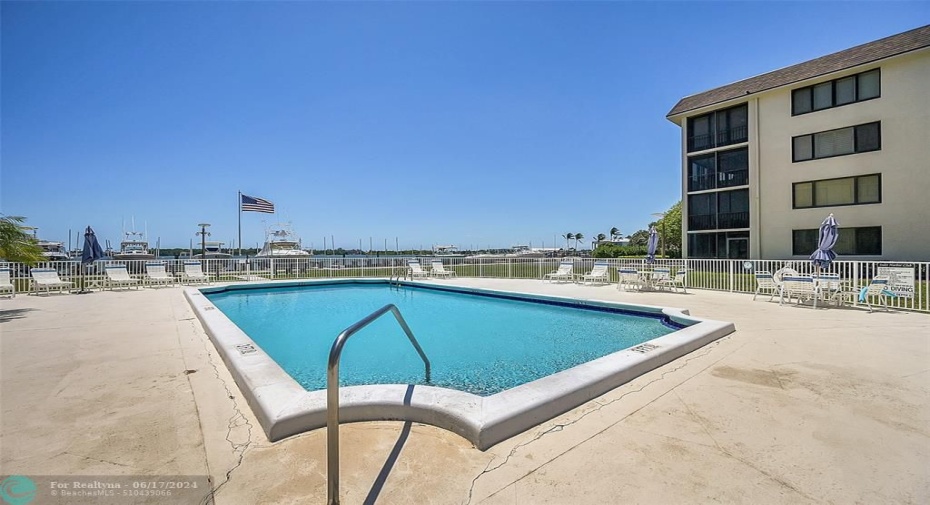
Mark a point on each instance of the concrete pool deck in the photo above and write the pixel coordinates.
(797, 406)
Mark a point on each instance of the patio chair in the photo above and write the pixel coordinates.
(801, 287)
(828, 285)
(415, 270)
(597, 274)
(674, 282)
(563, 273)
(660, 274)
(155, 274)
(48, 278)
(193, 272)
(6, 284)
(629, 277)
(765, 283)
(876, 289)
(118, 276)
(438, 270)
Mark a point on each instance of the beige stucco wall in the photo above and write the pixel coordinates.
(903, 161)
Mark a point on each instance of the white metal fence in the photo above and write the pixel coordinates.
(719, 275)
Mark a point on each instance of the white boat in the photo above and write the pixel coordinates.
(213, 250)
(281, 242)
(134, 247)
(53, 251)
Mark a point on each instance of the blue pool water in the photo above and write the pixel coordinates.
(478, 344)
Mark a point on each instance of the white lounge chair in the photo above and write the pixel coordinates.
(415, 270)
(674, 282)
(6, 283)
(629, 277)
(438, 270)
(801, 287)
(563, 273)
(193, 272)
(877, 289)
(598, 273)
(765, 283)
(48, 278)
(155, 275)
(118, 276)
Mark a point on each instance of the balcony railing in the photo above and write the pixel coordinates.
(705, 222)
(725, 137)
(733, 220)
(733, 135)
(732, 178)
(702, 182)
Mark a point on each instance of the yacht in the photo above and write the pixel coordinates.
(53, 251)
(213, 250)
(280, 241)
(133, 247)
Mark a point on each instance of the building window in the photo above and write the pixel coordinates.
(862, 241)
(847, 90)
(840, 142)
(860, 190)
(719, 128)
(723, 169)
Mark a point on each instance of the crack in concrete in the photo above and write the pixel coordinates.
(559, 427)
(237, 420)
(97, 459)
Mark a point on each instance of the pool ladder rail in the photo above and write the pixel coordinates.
(332, 392)
(394, 279)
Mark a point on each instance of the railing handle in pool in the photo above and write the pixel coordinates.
(332, 393)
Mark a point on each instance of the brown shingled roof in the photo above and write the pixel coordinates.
(873, 51)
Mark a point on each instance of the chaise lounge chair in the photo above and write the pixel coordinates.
(563, 273)
(801, 287)
(6, 284)
(155, 275)
(597, 274)
(416, 270)
(118, 276)
(48, 278)
(438, 270)
(765, 283)
(193, 272)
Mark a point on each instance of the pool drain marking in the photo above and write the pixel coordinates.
(644, 348)
(246, 349)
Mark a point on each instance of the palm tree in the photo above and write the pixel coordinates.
(578, 237)
(614, 232)
(567, 237)
(15, 243)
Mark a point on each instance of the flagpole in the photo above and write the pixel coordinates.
(239, 203)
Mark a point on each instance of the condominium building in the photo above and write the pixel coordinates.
(765, 160)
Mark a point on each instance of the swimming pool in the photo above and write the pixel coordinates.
(477, 344)
(282, 380)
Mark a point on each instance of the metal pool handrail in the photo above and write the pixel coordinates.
(332, 393)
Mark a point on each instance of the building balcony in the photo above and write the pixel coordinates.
(733, 220)
(732, 178)
(705, 222)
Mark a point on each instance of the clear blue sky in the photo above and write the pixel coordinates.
(467, 123)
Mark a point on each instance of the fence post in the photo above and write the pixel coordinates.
(732, 276)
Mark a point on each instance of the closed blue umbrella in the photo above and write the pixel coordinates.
(92, 252)
(829, 234)
(651, 245)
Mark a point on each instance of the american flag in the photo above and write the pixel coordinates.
(251, 203)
